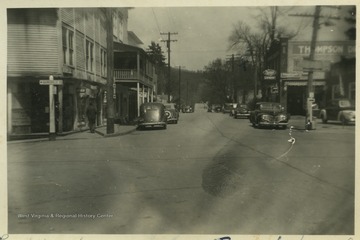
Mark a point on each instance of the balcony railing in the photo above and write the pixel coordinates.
(132, 74)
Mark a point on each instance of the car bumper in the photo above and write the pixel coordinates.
(172, 119)
(244, 115)
(273, 124)
(152, 124)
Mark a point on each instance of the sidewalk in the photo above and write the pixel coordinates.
(119, 130)
(100, 132)
(298, 122)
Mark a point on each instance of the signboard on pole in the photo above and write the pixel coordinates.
(269, 74)
(51, 82)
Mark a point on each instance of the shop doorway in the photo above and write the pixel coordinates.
(296, 100)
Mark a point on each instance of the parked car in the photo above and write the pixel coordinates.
(214, 108)
(228, 107)
(152, 115)
(241, 111)
(338, 110)
(187, 109)
(171, 113)
(269, 114)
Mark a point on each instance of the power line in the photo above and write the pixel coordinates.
(157, 23)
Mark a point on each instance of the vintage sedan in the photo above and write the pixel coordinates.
(171, 113)
(338, 110)
(214, 108)
(152, 115)
(188, 109)
(241, 111)
(269, 114)
(229, 107)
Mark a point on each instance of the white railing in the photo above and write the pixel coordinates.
(131, 74)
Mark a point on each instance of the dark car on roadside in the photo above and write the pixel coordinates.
(269, 114)
(152, 114)
(338, 110)
(228, 108)
(171, 113)
(241, 111)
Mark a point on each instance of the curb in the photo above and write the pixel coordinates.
(115, 134)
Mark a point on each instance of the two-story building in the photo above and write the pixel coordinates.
(289, 86)
(70, 45)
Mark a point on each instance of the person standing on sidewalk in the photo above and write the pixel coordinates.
(91, 115)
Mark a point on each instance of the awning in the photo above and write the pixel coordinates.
(304, 83)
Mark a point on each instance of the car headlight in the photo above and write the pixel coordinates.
(349, 114)
(282, 117)
(266, 117)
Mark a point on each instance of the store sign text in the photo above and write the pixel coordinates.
(325, 49)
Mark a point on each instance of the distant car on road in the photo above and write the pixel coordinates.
(152, 114)
(241, 111)
(269, 114)
(171, 113)
(338, 110)
(229, 107)
(214, 108)
(187, 109)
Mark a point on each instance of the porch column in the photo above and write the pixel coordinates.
(9, 108)
(152, 95)
(138, 97)
(143, 93)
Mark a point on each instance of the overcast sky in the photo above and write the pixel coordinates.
(203, 32)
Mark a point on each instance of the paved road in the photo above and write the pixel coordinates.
(208, 174)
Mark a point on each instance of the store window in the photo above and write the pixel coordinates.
(103, 59)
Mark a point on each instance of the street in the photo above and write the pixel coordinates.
(208, 174)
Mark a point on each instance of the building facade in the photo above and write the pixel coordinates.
(69, 44)
(290, 84)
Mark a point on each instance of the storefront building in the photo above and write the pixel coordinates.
(290, 87)
(68, 44)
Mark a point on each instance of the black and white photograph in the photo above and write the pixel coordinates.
(179, 120)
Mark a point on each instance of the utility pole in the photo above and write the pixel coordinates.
(110, 72)
(310, 95)
(309, 121)
(179, 87)
(232, 61)
(169, 68)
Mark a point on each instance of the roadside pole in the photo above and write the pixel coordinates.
(310, 98)
(51, 82)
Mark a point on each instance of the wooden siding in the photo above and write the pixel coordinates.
(89, 23)
(67, 16)
(80, 50)
(33, 42)
(79, 20)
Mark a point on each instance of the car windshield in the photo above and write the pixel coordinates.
(344, 103)
(270, 106)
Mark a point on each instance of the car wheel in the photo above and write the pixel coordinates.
(324, 120)
(343, 120)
